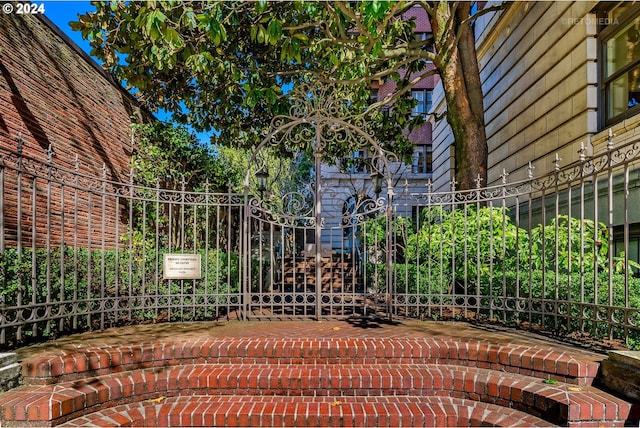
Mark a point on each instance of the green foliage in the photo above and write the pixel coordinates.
(375, 235)
(479, 256)
(287, 171)
(567, 243)
(112, 287)
(170, 156)
(223, 65)
(468, 243)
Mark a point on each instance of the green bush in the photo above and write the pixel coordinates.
(81, 289)
(555, 275)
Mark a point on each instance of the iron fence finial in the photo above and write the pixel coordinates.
(530, 169)
(453, 184)
(504, 176)
(50, 153)
(610, 139)
(556, 162)
(478, 181)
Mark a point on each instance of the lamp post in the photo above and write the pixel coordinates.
(376, 180)
(262, 175)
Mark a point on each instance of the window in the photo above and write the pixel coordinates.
(620, 43)
(357, 164)
(423, 97)
(373, 96)
(426, 36)
(422, 160)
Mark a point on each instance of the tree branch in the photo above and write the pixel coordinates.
(492, 8)
(391, 98)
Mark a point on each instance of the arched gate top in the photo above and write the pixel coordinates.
(319, 119)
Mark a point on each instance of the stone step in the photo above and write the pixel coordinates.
(10, 371)
(237, 410)
(557, 402)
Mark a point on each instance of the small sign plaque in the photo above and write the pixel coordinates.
(182, 266)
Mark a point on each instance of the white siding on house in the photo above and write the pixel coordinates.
(539, 70)
(539, 80)
(443, 156)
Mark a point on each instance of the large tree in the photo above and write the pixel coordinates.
(222, 65)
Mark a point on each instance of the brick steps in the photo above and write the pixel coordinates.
(274, 411)
(76, 383)
(545, 363)
(338, 274)
(556, 403)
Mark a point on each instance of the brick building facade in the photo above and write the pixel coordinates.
(413, 177)
(53, 96)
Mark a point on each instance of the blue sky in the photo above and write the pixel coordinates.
(64, 11)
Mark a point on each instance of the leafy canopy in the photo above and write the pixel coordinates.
(227, 65)
(170, 156)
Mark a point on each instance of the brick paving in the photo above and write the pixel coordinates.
(202, 411)
(307, 373)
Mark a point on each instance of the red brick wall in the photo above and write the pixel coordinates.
(420, 136)
(52, 94)
(421, 18)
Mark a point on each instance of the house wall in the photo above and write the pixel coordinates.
(345, 185)
(443, 154)
(53, 95)
(539, 70)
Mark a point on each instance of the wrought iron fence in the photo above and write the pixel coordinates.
(557, 253)
(83, 253)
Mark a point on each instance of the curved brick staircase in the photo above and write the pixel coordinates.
(269, 381)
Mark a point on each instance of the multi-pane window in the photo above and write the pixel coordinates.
(422, 159)
(357, 164)
(620, 41)
(423, 98)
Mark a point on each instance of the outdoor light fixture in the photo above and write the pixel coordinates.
(376, 179)
(262, 174)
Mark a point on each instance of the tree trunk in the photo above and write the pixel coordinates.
(458, 68)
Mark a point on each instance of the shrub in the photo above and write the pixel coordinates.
(556, 275)
(80, 289)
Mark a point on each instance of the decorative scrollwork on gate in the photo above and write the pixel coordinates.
(313, 236)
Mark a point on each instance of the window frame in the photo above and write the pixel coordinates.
(607, 31)
(426, 105)
(422, 159)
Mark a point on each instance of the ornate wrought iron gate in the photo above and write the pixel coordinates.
(559, 252)
(308, 253)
